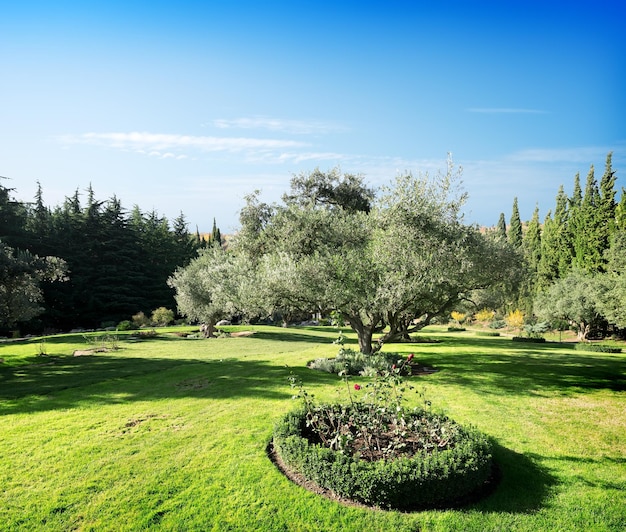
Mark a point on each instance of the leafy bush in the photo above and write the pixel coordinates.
(535, 330)
(459, 317)
(487, 333)
(484, 315)
(430, 477)
(456, 329)
(599, 348)
(126, 325)
(515, 319)
(497, 324)
(140, 319)
(162, 316)
(356, 363)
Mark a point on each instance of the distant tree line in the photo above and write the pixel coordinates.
(575, 258)
(109, 263)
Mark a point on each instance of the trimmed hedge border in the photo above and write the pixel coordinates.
(426, 480)
(456, 329)
(598, 348)
(529, 340)
(487, 333)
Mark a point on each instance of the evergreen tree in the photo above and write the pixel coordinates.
(531, 245)
(606, 205)
(585, 229)
(501, 228)
(216, 235)
(515, 227)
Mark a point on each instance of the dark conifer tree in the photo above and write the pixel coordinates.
(501, 227)
(515, 226)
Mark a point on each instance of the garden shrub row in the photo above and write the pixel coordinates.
(487, 333)
(425, 480)
(528, 339)
(599, 348)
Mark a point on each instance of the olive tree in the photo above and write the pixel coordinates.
(390, 263)
(210, 287)
(392, 267)
(576, 299)
(21, 275)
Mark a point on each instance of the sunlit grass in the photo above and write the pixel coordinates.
(171, 433)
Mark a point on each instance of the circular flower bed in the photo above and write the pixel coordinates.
(403, 460)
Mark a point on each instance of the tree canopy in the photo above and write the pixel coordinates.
(396, 260)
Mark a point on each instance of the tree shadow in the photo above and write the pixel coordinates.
(107, 378)
(523, 484)
(535, 368)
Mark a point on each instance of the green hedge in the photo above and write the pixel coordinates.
(528, 339)
(599, 348)
(425, 480)
(487, 333)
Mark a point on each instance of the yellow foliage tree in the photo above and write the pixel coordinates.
(515, 319)
(459, 317)
(484, 315)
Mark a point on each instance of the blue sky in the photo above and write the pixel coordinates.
(189, 106)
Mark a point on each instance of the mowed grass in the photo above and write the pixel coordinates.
(171, 433)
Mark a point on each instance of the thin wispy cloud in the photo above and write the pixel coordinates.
(171, 146)
(505, 110)
(300, 127)
(583, 154)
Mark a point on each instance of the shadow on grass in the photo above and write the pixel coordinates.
(108, 378)
(526, 368)
(524, 485)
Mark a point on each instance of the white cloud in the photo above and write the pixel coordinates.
(300, 127)
(171, 146)
(505, 110)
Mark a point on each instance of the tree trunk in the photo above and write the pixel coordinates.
(364, 334)
(208, 329)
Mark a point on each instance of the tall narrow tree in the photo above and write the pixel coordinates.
(515, 226)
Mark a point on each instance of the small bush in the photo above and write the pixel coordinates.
(162, 316)
(140, 320)
(484, 315)
(497, 324)
(126, 325)
(515, 319)
(356, 363)
(598, 348)
(487, 333)
(528, 339)
(456, 329)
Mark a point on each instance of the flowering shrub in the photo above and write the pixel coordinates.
(375, 450)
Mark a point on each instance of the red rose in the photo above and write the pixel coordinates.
(357, 387)
(410, 357)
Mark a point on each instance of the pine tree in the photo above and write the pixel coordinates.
(515, 226)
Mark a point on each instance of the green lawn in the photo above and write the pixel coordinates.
(171, 433)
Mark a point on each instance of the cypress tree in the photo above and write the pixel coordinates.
(586, 232)
(606, 205)
(515, 226)
(501, 227)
